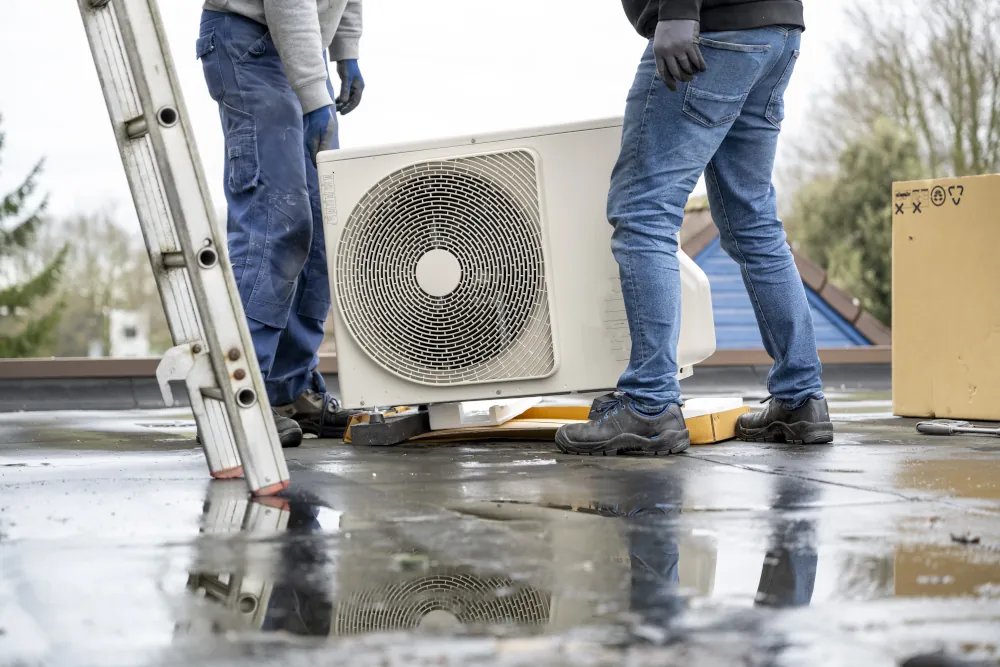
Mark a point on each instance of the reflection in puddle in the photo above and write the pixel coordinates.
(316, 583)
(302, 568)
(669, 565)
(648, 566)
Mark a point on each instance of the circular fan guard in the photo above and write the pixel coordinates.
(470, 600)
(494, 324)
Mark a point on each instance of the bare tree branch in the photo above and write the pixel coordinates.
(931, 66)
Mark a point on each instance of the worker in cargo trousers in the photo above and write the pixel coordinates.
(707, 99)
(265, 64)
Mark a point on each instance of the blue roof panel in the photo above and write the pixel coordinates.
(735, 323)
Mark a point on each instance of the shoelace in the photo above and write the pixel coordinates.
(612, 408)
(331, 407)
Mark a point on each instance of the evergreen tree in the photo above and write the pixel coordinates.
(27, 317)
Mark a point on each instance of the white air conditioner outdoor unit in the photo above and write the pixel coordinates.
(481, 267)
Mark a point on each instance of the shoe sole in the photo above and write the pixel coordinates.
(627, 443)
(801, 433)
(290, 439)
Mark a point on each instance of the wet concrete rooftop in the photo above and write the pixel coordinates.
(116, 549)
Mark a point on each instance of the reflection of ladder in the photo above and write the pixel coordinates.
(246, 588)
(214, 355)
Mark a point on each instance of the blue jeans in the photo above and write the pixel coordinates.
(724, 124)
(788, 576)
(274, 224)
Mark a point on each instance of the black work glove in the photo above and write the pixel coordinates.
(678, 57)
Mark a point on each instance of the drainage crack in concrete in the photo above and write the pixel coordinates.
(806, 478)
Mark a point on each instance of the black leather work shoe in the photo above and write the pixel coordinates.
(808, 425)
(318, 413)
(601, 403)
(289, 432)
(620, 429)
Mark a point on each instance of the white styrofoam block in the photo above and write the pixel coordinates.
(445, 416)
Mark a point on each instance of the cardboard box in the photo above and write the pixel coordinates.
(946, 298)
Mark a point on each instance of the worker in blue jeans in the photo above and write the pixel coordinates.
(708, 98)
(265, 64)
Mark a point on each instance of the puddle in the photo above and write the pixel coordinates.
(527, 570)
(320, 579)
(121, 553)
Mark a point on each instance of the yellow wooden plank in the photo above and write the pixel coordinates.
(541, 423)
(566, 412)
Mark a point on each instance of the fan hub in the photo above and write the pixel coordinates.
(438, 272)
(439, 620)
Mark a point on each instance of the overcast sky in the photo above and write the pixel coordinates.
(432, 68)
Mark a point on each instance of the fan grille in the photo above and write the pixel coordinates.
(470, 600)
(441, 273)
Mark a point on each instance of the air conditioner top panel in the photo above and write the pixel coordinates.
(466, 140)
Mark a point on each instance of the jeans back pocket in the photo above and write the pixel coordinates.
(716, 96)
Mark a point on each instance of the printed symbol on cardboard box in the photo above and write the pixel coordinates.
(899, 209)
(956, 192)
(938, 196)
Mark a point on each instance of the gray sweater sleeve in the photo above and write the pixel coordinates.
(294, 26)
(346, 42)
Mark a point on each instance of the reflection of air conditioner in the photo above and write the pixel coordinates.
(481, 267)
(443, 588)
(309, 582)
(437, 601)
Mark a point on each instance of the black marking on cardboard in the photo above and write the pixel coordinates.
(956, 192)
(938, 196)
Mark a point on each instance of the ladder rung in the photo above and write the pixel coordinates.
(136, 128)
(213, 393)
(173, 260)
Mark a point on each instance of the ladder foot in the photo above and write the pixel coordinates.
(275, 502)
(272, 489)
(228, 473)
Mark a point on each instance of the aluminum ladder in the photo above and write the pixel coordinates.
(213, 353)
